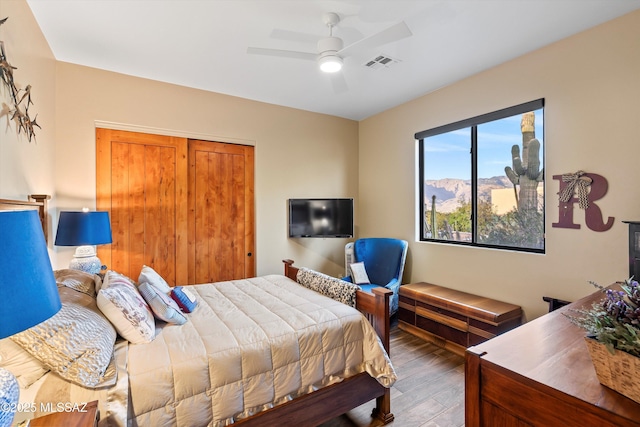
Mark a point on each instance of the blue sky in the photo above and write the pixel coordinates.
(447, 155)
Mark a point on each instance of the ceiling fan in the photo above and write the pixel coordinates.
(331, 50)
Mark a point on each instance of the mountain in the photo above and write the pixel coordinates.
(450, 191)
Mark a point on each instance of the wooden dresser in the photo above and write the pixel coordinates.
(452, 319)
(541, 375)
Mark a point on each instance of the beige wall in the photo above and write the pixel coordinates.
(591, 84)
(298, 154)
(27, 167)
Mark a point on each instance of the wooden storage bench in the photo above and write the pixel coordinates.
(453, 319)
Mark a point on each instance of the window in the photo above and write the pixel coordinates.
(482, 180)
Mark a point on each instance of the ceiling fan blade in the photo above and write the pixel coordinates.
(391, 34)
(282, 53)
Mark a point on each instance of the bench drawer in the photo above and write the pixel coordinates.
(452, 318)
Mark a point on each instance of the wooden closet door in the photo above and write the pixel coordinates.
(141, 179)
(221, 212)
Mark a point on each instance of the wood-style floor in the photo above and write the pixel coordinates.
(429, 391)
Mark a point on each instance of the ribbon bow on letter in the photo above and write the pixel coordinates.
(576, 181)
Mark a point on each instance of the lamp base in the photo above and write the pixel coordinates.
(9, 393)
(85, 259)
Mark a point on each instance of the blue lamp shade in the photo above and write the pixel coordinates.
(83, 228)
(28, 289)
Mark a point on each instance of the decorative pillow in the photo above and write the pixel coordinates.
(79, 280)
(358, 273)
(149, 275)
(185, 299)
(76, 343)
(163, 307)
(26, 368)
(331, 287)
(123, 305)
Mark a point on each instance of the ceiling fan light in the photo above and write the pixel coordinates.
(330, 63)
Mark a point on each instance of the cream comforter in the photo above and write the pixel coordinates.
(249, 345)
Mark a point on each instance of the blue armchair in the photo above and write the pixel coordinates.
(383, 260)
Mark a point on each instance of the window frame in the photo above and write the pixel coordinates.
(473, 124)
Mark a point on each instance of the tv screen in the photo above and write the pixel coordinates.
(320, 217)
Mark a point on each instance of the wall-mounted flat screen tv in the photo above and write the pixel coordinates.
(320, 217)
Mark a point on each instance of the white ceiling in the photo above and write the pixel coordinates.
(203, 43)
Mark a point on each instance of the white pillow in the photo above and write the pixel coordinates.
(26, 368)
(125, 308)
(163, 307)
(358, 273)
(149, 275)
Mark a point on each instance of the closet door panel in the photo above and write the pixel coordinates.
(135, 194)
(201, 222)
(160, 210)
(221, 199)
(142, 182)
(183, 207)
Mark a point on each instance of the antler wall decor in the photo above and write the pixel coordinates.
(20, 98)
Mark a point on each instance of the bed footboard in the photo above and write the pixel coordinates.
(375, 306)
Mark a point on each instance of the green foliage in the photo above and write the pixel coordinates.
(614, 321)
(515, 229)
(523, 229)
(460, 219)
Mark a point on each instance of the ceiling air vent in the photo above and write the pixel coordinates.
(381, 61)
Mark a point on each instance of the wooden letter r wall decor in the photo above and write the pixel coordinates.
(592, 213)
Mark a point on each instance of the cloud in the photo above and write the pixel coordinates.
(457, 140)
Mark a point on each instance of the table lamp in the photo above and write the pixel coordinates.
(28, 289)
(84, 229)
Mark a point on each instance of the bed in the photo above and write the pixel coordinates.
(178, 378)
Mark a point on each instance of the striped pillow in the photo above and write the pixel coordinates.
(185, 299)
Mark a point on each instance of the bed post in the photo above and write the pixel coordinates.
(381, 315)
(289, 270)
(382, 411)
(41, 199)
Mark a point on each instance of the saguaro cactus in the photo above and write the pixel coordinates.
(526, 172)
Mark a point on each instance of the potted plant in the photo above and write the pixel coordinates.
(613, 337)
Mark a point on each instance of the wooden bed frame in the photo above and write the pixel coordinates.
(332, 401)
(321, 405)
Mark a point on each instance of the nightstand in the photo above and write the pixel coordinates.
(87, 418)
